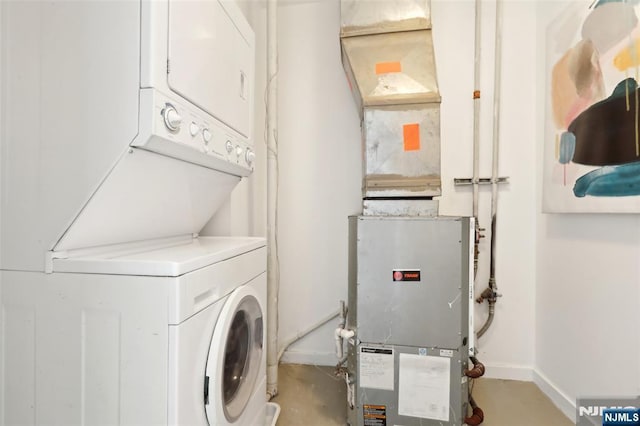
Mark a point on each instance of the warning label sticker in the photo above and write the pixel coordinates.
(375, 415)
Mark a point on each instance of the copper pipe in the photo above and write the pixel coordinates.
(476, 418)
(477, 415)
(476, 371)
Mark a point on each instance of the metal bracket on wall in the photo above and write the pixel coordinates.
(481, 181)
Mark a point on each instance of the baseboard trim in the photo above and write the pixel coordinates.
(493, 371)
(508, 372)
(309, 358)
(560, 400)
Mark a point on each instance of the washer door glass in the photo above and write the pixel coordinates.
(242, 355)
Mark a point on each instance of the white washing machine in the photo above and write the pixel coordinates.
(153, 336)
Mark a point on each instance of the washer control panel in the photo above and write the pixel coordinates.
(176, 128)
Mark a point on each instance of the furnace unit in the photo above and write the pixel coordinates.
(408, 325)
(409, 297)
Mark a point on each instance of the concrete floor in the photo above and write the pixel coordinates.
(313, 396)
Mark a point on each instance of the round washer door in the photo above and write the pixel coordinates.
(234, 356)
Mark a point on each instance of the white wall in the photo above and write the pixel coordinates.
(320, 170)
(507, 348)
(587, 290)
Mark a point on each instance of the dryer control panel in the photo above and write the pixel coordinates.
(173, 127)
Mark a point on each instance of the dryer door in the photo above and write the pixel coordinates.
(234, 357)
(211, 60)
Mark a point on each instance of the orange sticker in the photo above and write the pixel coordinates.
(411, 137)
(387, 67)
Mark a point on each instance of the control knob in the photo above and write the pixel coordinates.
(206, 136)
(249, 157)
(171, 118)
(194, 129)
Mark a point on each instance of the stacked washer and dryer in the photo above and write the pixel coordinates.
(124, 127)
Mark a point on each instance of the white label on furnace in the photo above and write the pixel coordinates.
(424, 385)
(446, 352)
(376, 368)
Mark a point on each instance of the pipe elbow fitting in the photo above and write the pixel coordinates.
(343, 333)
(477, 370)
(340, 334)
(476, 418)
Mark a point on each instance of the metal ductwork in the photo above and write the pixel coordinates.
(387, 53)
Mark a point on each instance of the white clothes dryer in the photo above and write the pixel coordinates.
(164, 335)
(143, 104)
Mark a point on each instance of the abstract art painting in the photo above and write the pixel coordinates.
(592, 134)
